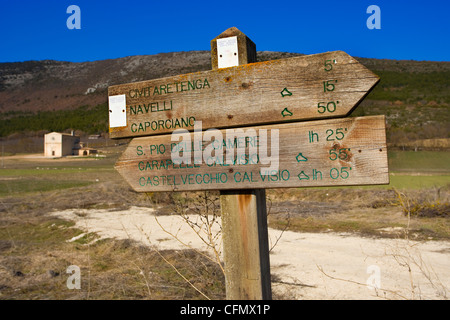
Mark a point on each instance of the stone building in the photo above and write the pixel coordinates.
(60, 144)
(84, 150)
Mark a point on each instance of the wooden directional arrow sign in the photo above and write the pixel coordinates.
(333, 152)
(323, 85)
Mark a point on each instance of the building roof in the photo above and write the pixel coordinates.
(61, 133)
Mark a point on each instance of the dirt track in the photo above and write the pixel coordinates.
(303, 265)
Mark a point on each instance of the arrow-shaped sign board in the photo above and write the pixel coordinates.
(332, 152)
(326, 85)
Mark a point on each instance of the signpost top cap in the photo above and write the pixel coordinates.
(246, 47)
(230, 32)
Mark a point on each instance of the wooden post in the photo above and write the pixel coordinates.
(244, 215)
(245, 244)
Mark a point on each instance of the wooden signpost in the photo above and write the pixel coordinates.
(309, 87)
(260, 145)
(349, 151)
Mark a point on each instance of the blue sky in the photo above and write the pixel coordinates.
(37, 30)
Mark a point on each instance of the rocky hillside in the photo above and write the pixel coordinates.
(55, 85)
(415, 95)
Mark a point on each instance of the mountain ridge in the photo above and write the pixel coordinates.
(48, 85)
(48, 95)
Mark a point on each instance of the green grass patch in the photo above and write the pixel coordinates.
(18, 186)
(48, 171)
(418, 181)
(43, 179)
(36, 172)
(86, 238)
(26, 235)
(420, 161)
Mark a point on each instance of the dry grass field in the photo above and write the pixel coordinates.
(37, 244)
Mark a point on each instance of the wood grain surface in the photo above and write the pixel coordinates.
(325, 85)
(331, 152)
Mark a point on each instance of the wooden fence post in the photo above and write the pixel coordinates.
(244, 214)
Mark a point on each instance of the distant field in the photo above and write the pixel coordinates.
(421, 169)
(11, 187)
(420, 161)
(31, 176)
(406, 181)
(36, 248)
(409, 170)
(16, 181)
